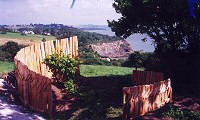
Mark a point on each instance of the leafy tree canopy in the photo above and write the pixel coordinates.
(169, 23)
(175, 31)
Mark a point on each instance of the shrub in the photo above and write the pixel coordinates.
(70, 85)
(44, 40)
(117, 62)
(89, 57)
(137, 59)
(152, 63)
(3, 32)
(23, 34)
(63, 68)
(9, 50)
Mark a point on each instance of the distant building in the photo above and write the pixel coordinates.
(14, 30)
(48, 34)
(45, 33)
(28, 32)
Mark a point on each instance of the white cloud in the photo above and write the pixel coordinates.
(57, 11)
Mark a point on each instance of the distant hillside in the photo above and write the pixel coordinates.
(23, 39)
(115, 49)
(86, 38)
(92, 27)
(59, 31)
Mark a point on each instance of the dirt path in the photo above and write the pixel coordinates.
(11, 111)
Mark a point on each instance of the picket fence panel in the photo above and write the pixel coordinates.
(149, 93)
(33, 78)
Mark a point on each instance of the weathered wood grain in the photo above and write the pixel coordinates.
(150, 93)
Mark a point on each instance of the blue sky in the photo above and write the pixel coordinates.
(56, 11)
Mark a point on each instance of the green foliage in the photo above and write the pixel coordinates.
(114, 112)
(152, 63)
(9, 50)
(119, 62)
(137, 59)
(3, 32)
(44, 40)
(6, 66)
(89, 57)
(98, 70)
(85, 38)
(182, 114)
(174, 31)
(63, 68)
(101, 86)
(92, 58)
(23, 34)
(97, 105)
(70, 85)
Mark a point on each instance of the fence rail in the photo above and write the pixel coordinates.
(33, 78)
(150, 94)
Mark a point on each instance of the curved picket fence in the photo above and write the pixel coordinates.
(149, 93)
(33, 78)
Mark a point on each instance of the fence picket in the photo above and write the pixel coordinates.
(148, 97)
(33, 78)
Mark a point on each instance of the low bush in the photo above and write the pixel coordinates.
(89, 57)
(9, 50)
(137, 59)
(63, 68)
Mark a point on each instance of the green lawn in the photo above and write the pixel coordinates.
(86, 70)
(100, 94)
(98, 70)
(95, 103)
(34, 37)
(6, 67)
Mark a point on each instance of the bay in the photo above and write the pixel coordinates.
(135, 40)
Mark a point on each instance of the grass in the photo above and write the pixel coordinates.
(6, 67)
(95, 103)
(181, 114)
(86, 70)
(34, 37)
(23, 39)
(100, 94)
(98, 70)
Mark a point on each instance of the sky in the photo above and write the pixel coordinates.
(56, 11)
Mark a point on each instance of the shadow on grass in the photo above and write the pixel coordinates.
(98, 98)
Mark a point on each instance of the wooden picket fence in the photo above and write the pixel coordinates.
(146, 96)
(34, 81)
(146, 77)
